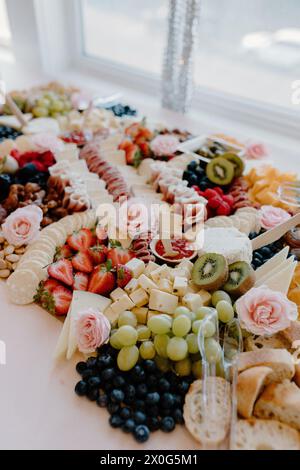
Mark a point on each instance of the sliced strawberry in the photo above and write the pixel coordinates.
(98, 253)
(125, 144)
(81, 281)
(119, 255)
(145, 149)
(63, 252)
(50, 284)
(82, 261)
(81, 240)
(133, 155)
(62, 270)
(102, 281)
(124, 275)
(62, 299)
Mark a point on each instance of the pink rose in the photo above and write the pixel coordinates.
(271, 216)
(256, 151)
(92, 329)
(263, 311)
(22, 226)
(164, 145)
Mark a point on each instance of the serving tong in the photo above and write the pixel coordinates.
(232, 343)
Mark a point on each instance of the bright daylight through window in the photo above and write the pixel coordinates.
(254, 55)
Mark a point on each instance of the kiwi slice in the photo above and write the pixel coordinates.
(241, 278)
(220, 171)
(210, 271)
(237, 162)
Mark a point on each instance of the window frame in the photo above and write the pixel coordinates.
(58, 27)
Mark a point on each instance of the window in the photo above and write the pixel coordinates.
(250, 48)
(5, 36)
(130, 32)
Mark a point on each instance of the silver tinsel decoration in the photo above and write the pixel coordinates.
(177, 78)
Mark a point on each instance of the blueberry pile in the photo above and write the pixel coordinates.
(120, 110)
(8, 133)
(139, 401)
(195, 175)
(262, 255)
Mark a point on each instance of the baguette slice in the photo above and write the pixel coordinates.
(249, 385)
(279, 360)
(292, 333)
(261, 434)
(211, 428)
(281, 402)
(277, 341)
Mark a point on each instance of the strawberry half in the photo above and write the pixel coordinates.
(98, 253)
(62, 299)
(102, 280)
(124, 275)
(82, 261)
(63, 252)
(81, 281)
(50, 284)
(102, 235)
(118, 255)
(81, 240)
(62, 270)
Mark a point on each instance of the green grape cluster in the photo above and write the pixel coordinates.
(51, 104)
(171, 340)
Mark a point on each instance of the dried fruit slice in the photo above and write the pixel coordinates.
(210, 271)
(241, 278)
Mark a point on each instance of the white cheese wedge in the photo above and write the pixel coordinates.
(192, 301)
(139, 297)
(132, 285)
(162, 272)
(111, 316)
(141, 314)
(282, 279)
(146, 283)
(206, 297)
(81, 301)
(180, 286)
(279, 268)
(122, 304)
(117, 293)
(151, 266)
(272, 263)
(137, 266)
(162, 301)
(62, 343)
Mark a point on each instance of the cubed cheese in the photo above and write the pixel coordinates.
(180, 286)
(180, 272)
(162, 301)
(146, 283)
(206, 297)
(111, 315)
(141, 314)
(132, 285)
(192, 288)
(163, 272)
(165, 285)
(117, 294)
(139, 297)
(151, 266)
(185, 264)
(124, 303)
(137, 266)
(192, 301)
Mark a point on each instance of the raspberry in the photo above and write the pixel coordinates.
(229, 199)
(214, 202)
(210, 193)
(219, 190)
